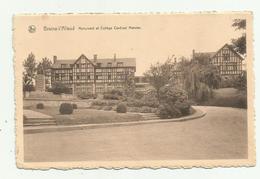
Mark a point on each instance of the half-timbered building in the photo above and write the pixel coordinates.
(227, 60)
(93, 75)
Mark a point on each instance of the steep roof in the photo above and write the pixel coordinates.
(126, 61)
(131, 62)
(210, 55)
(58, 63)
(230, 48)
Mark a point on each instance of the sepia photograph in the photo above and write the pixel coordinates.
(134, 90)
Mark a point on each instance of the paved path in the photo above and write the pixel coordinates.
(29, 114)
(221, 134)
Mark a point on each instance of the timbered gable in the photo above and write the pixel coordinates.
(228, 61)
(95, 75)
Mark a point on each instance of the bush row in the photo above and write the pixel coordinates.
(131, 102)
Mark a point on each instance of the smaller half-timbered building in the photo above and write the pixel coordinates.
(227, 60)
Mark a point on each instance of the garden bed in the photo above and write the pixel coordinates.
(89, 116)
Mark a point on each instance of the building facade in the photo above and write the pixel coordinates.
(227, 60)
(93, 75)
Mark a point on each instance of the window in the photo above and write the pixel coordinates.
(63, 65)
(97, 77)
(83, 65)
(119, 64)
(77, 65)
(78, 77)
(57, 76)
(109, 76)
(98, 64)
(109, 64)
(71, 77)
(71, 65)
(225, 57)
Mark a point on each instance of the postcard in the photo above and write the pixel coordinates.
(134, 90)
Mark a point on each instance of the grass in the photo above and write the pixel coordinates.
(228, 97)
(88, 116)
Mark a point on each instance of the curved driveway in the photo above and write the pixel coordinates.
(221, 134)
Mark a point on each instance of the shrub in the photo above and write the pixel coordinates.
(66, 108)
(146, 109)
(166, 112)
(239, 101)
(104, 102)
(138, 94)
(142, 102)
(143, 109)
(121, 108)
(183, 107)
(75, 106)
(28, 88)
(241, 81)
(40, 106)
(86, 95)
(174, 103)
(114, 94)
(107, 108)
(59, 88)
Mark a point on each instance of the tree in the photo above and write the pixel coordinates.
(29, 72)
(200, 78)
(160, 74)
(239, 44)
(130, 85)
(43, 66)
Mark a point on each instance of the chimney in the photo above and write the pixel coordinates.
(54, 59)
(193, 54)
(114, 56)
(95, 58)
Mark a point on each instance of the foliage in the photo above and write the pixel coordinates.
(174, 102)
(121, 108)
(200, 79)
(114, 95)
(238, 101)
(107, 108)
(43, 66)
(59, 88)
(29, 72)
(28, 88)
(87, 95)
(116, 92)
(131, 102)
(143, 109)
(239, 44)
(160, 74)
(138, 94)
(167, 112)
(75, 106)
(241, 81)
(104, 102)
(40, 106)
(66, 108)
(129, 88)
(239, 24)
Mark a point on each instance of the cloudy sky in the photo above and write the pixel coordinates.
(154, 39)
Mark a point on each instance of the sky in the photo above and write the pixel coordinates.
(152, 38)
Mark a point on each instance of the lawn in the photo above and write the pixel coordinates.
(88, 116)
(228, 97)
